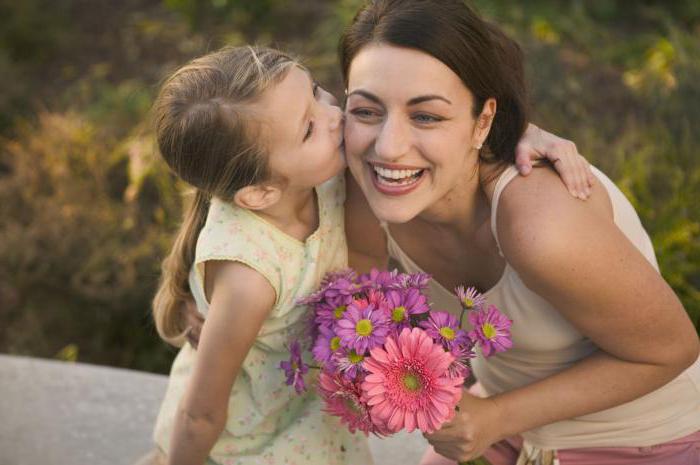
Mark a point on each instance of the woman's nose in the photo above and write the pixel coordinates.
(393, 139)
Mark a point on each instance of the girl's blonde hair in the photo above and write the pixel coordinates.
(208, 138)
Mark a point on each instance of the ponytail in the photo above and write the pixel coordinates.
(174, 287)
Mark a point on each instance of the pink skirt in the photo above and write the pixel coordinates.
(682, 451)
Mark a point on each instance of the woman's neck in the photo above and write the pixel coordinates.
(462, 210)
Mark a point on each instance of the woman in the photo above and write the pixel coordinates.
(604, 366)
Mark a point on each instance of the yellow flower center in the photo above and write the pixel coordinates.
(397, 314)
(335, 343)
(447, 332)
(354, 357)
(364, 327)
(411, 382)
(489, 330)
(469, 303)
(338, 312)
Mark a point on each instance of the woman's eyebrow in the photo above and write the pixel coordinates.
(426, 98)
(365, 94)
(413, 101)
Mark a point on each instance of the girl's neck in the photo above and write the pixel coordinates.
(296, 213)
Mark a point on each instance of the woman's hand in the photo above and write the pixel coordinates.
(476, 425)
(194, 320)
(574, 169)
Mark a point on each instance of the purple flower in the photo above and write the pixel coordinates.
(376, 279)
(328, 315)
(402, 304)
(349, 363)
(412, 281)
(363, 328)
(491, 330)
(326, 344)
(461, 366)
(295, 368)
(444, 328)
(470, 298)
(333, 280)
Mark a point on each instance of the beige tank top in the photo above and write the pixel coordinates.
(545, 343)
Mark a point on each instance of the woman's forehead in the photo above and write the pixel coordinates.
(401, 70)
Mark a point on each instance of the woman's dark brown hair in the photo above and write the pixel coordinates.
(489, 63)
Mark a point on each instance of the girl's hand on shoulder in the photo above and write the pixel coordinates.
(574, 169)
(476, 425)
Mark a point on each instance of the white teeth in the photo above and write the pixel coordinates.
(394, 174)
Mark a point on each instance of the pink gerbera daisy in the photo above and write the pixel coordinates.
(408, 384)
(491, 330)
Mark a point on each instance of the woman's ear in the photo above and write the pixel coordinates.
(484, 122)
(257, 197)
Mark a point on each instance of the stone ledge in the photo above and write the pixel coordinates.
(73, 414)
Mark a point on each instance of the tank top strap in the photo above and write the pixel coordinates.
(503, 179)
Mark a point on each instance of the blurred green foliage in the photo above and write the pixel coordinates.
(87, 210)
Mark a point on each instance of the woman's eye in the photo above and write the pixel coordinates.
(363, 113)
(316, 88)
(309, 130)
(424, 118)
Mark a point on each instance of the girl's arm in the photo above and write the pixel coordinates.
(240, 300)
(574, 170)
(572, 254)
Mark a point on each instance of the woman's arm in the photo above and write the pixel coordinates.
(241, 299)
(572, 254)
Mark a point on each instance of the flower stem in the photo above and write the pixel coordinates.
(477, 461)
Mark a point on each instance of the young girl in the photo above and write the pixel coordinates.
(262, 144)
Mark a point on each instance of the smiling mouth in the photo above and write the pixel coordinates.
(394, 181)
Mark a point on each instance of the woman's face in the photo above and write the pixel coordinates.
(409, 133)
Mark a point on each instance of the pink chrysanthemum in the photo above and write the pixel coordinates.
(363, 328)
(470, 298)
(343, 399)
(408, 384)
(491, 330)
(444, 328)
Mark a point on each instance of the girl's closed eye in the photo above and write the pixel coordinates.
(310, 129)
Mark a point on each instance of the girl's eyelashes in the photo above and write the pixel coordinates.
(315, 91)
(309, 130)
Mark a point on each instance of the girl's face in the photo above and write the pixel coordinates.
(303, 131)
(410, 135)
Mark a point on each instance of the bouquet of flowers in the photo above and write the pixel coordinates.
(388, 360)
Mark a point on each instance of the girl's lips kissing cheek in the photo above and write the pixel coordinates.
(395, 179)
